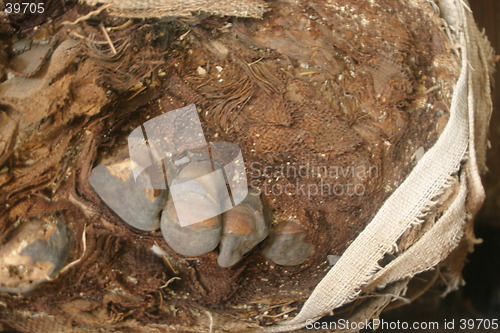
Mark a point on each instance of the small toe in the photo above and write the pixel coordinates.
(287, 245)
(193, 240)
(136, 204)
(34, 253)
(244, 227)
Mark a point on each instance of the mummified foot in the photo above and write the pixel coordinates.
(34, 253)
(238, 230)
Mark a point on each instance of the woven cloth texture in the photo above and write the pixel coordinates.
(170, 8)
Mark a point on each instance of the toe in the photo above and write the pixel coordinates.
(244, 227)
(34, 253)
(192, 240)
(287, 245)
(136, 204)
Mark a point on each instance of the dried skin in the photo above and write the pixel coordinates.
(304, 84)
(8, 133)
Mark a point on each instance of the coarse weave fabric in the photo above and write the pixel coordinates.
(171, 8)
(433, 175)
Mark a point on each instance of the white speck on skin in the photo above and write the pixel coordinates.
(201, 71)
